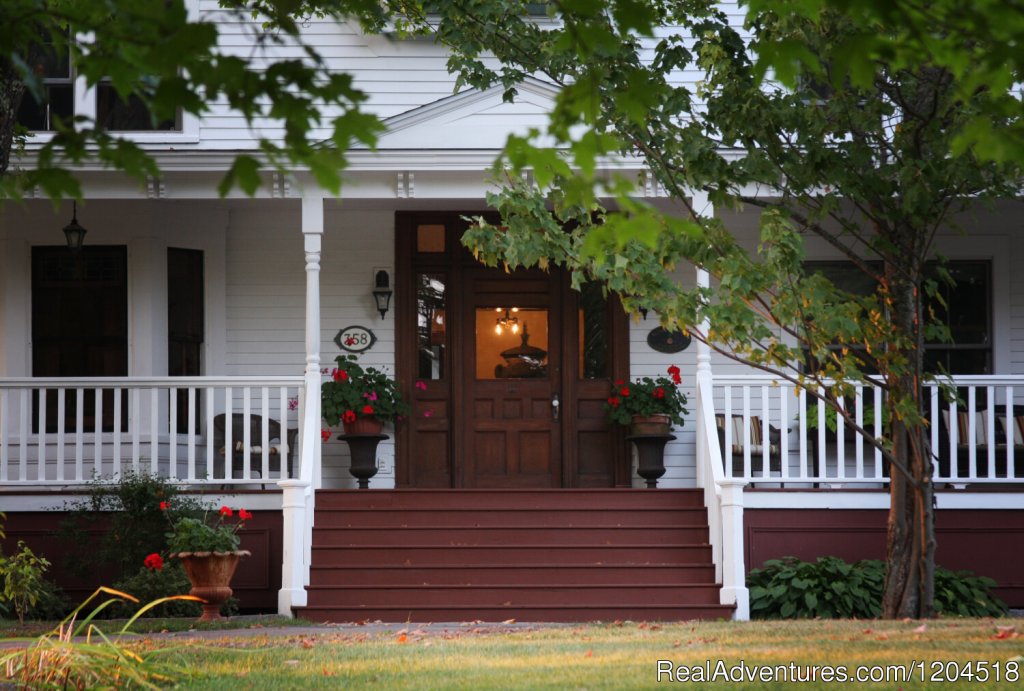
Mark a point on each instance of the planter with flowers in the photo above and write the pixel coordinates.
(650, 407)
(209, 551)
(361, 399)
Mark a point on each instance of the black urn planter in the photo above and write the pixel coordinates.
(363, 448)
(651, 456)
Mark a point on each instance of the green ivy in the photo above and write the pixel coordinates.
(788, 588)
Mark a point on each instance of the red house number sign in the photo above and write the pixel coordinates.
(355, 339)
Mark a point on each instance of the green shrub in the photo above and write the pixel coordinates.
(788, 588)
(134, 524)
(21, 576)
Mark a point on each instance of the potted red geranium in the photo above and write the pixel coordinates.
(648, 405)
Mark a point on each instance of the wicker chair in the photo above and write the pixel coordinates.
(255, 451)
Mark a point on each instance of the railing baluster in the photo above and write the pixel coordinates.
(79, 433)
(208, 431)
(934, 422)
(858, 439)
(172, 433)
(134, 424)
(265, 432)
(191, 471)
(841, 445)
(747, 469)
(23, 409)
(97, 433)
(801, 413)
(154, 431)
(116, 439)
(990, 431)
(4, 409)
(972, 432)
(229, 442)
(784, 394)
(1011, 434)
(41, 438)
(765, 437)
(246, 432)
(822, 470)
(283, 414)
(727, 454)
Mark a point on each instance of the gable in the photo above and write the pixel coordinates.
(471, 119)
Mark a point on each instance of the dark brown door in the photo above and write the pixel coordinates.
(511, 379)
(483, 356)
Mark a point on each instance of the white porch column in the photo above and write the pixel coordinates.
(734, 584)
(298, 495)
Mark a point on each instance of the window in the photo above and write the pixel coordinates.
(132, 115)
(52, 63)
(967, 311)
(185, 323)
(79, 325)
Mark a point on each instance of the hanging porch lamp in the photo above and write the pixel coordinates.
(74, 233)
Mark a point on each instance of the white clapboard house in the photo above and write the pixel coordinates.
(187, 337)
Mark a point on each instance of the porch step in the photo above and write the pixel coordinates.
(531, 555)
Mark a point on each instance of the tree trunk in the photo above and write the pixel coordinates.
(910, 547)
(11, 90)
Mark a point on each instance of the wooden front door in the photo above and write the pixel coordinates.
(507, 373)
(512, 380)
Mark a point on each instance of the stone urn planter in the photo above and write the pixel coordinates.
(210, 574)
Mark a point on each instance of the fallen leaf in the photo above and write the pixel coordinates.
(589, 653)
(328, 673)
(921, 629)
(509, 621)
(308, 643)
(402, 638)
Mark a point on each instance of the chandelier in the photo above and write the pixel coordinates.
(506, 322)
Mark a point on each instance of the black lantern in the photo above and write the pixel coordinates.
(74, 233)
(382, 292)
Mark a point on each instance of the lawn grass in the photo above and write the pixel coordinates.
(10, 628)
(596, 656)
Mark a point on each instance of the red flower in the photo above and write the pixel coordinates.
(226, 511)
(613, 401)
(367, 410)
(348, 416)
(339, 375)
(673, 372)
(325, 435)
(624, 391)
(244, 515)
(658, 393)
(164, 505)
(154, 562)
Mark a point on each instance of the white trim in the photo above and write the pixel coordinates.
(58, 500)
(877, 500)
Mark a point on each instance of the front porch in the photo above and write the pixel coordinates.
(802, 492)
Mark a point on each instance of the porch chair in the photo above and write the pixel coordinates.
(982, 442)
(756, 445)
(255, 451)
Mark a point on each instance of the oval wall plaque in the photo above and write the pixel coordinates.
(355, 339)
(665, 341)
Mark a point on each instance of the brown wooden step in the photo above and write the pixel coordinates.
(361, 517)
(495, 575)
(510, 555)
(568, 613)
(333, 536)
(445, 499)
(508, 595)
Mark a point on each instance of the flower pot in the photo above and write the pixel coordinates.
(649, 424)
(363, 425)
(210, 574)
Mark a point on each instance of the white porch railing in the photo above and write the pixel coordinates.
(769, 432)
(64, 432)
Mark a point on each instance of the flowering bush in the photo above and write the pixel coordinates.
(190, 534)
(646, 396)
(354, 391)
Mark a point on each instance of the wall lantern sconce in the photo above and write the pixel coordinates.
(382, 291)
(74, 233)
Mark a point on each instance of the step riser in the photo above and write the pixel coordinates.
(562, 614)
(539, 596)
(344, 537)
(577, 499)
(537, 575)
(566, 555)
(397, 518)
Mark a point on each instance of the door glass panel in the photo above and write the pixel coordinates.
(511, 342)
(431, 325)
(593, 318)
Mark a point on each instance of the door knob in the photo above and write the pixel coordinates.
(555, 407)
